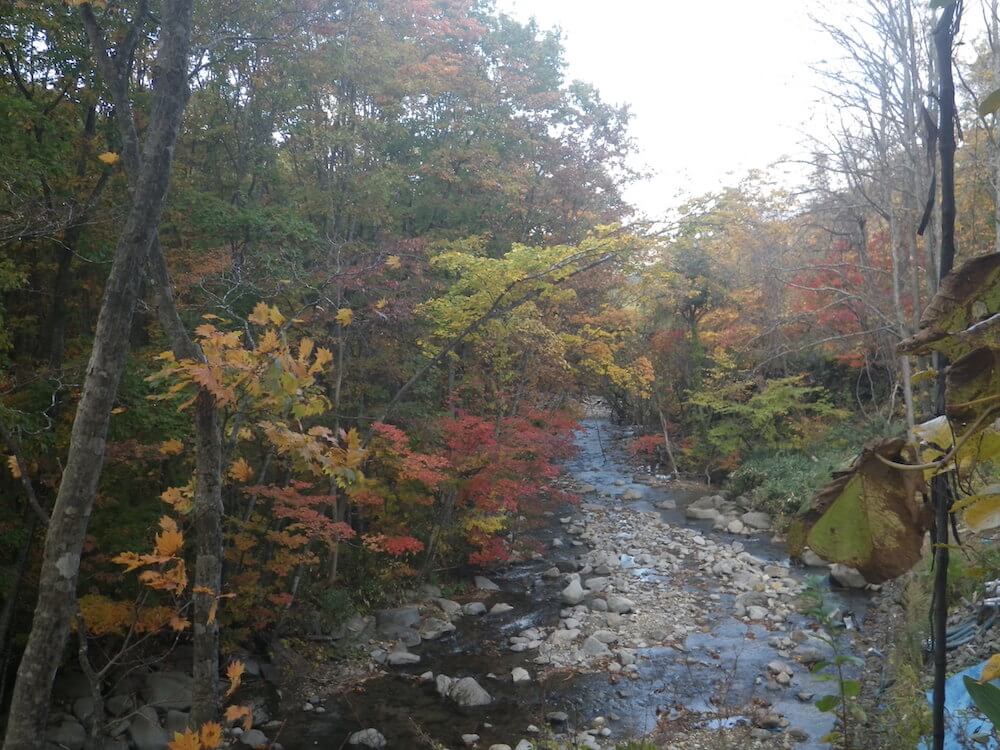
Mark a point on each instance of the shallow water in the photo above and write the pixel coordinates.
(707, 683)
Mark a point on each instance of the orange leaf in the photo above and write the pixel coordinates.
(234, 672)
(240, 471)
(15, 468)
(211, 735)
(236, 713)
(259, 315)
(179, 623)
(186, 740)
(171, 447)
(169, 543)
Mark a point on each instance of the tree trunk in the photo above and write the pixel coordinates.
(944, 35)
(64, 541)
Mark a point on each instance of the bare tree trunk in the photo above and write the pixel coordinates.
(67, 529)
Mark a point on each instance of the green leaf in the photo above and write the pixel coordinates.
(982, 511)
(851, 688)
(990, 104)
(986, 697)
(827, 703)
(870, 517)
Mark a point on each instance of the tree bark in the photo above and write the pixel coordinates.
(64, 541)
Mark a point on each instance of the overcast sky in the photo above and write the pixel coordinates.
(717, 87)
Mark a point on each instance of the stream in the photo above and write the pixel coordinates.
(711, 678)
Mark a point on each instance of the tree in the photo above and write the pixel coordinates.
(65, 534)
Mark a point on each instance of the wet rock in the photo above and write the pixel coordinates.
(168, 690)
(756, 520)
(390, 621)
(468, 692)
(847, 577)
(485, 584)
(432, 628)
(401, 658)
(626, 656)
(798, 735)
(619, 604)
(811, 559)
(573, 593)
(557, 717)
(667, 505)
(586, 489)
(735, 526)
(68, 734)
(470, 739)
(145, 731)
(500, 608)
(474, 608)
(701, 514)
(367, 738)
(552, 573)
(520, 675)
(631, 494)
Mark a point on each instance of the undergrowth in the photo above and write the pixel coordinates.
(780, 481)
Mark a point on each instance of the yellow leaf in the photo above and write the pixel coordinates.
(991, 670)
(275, 316)
(186, 740)
(234, 673)
(393, 262)
(380, 305)
(260, 314)
(211, 735)
(119, 410)
(982, 511)
(108, 157)
(240, 471)
(213, 611)
(14, 466)
(171, 447)
(169, 543)
(345, 316)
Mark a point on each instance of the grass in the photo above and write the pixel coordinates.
(780, 482)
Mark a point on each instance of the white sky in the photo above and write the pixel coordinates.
(717, 87)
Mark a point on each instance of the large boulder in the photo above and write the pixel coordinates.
(391, 620)
(166, 690)
(68, 734)
(485, 584)
(145, 731)
(468, 692)
(756, 520)
(449, 607)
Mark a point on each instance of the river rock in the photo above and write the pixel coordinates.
(468, 692)
(367, 738)
(68, 734)
(177, 721)
(450, 608)
(499, 747)
(735, 526)
(811, 559)
(520, 675)
(168, 690)
(442, 683)
(500, 608)
(524, 745)
(83, 708)
(757, 520)
(606, 636)
(485, 584)
(599, 605)
(631, 494)
(619, 604)
(401, 658)
(701, 514)
(474, 608)
(847, 577)
(552, 573)
(573, 593)
(593, 647)
(256, 738)
(598, 583)
(757, 613)
(145, 731)
(667, 505)
(557, 717)
(432, 628)
(469, 740)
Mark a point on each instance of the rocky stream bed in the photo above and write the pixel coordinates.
(654, 609)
